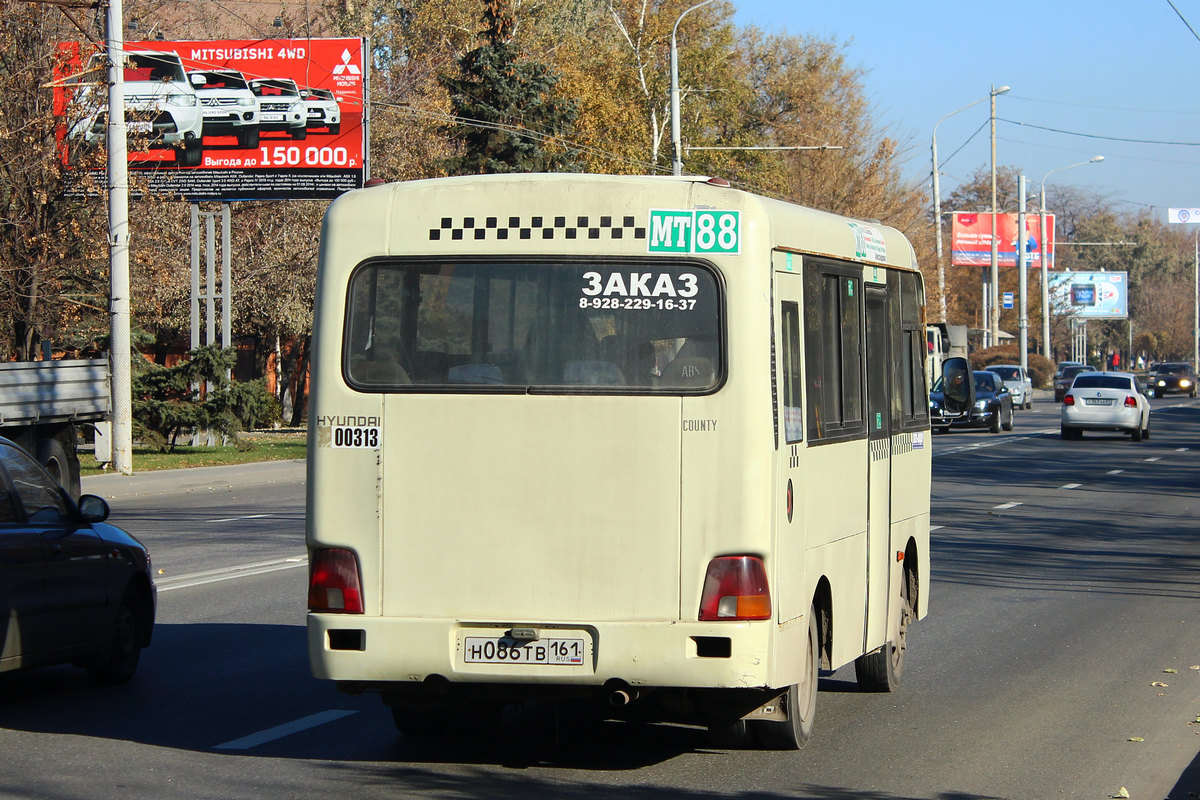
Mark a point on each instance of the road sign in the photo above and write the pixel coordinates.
(1008, 299)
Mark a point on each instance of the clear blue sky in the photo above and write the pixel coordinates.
(1125, 70)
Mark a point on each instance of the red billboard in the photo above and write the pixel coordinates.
(228, 119)
(971, 239)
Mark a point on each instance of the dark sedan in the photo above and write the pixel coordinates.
(1171, 377)
(993, 407)
(1066, 376)
(73, 589)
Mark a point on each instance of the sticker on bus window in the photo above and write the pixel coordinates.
(640, 291)
(869, 242)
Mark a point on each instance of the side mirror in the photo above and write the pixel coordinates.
(93, 508)
(197, 79)
(958, 385)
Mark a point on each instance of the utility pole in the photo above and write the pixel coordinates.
(1024, 278)
(120, 355)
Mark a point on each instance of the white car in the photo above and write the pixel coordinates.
(1105, 401)
(229, 107)
(161, 106)
(280, 106)
(1016, 378)
(323, 110)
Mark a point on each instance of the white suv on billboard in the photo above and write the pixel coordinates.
(323, 110)
(280, 106)
(161, 107)
(229, 107)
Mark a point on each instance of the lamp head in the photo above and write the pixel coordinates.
(1000, 90)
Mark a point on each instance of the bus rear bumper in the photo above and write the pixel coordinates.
(391, 654)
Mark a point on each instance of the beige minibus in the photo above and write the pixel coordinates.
(653, 442)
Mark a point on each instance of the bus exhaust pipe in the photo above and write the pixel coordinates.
(622, 697)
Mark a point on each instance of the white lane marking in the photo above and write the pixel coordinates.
(1155, 458)
(229, 573)
(1004, 506)
(1112, 471)
(287, 729)
(252, 516)
(992, 442)
(1074, 485)
(1177, 449)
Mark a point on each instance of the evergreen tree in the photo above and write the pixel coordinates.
(508, 110)
(168, 401)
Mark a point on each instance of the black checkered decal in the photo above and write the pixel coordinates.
(501, 228)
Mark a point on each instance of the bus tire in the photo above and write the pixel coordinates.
(881, 670)
(730, 735)
(799, 701)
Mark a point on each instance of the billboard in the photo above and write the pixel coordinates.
(265, 119)
(971, 239)
(1090, 295)
(1183, 215)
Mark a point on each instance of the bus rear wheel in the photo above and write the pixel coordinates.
(799, 702)
(881, 670)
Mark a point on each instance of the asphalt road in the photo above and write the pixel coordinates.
(1066, 584)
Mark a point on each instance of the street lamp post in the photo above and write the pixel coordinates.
(937, 205)
(994, 282)
(1046, 255)
(676, 148)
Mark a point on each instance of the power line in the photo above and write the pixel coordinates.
(1185, 22)
(1098, 136)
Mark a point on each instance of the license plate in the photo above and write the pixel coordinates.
(503, 650)
(271, 117)
(1097, 401)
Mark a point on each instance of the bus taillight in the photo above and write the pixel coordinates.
(334, 585)
(735, 588)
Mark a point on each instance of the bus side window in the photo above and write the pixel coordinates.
(793, 406)
(913, 348)
(833, 323)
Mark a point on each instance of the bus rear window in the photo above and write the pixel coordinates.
(642, 327)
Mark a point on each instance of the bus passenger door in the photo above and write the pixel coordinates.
(788, 354)
(879, 477)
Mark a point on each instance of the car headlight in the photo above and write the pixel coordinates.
(297, 107)
(181, 100)
(1184, 383)
(246, 101)
(1162, 383)
(981, 405)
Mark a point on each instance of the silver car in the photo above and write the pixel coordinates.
(1016, 378)
(1105, 401)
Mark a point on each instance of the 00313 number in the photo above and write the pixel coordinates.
(356, 436)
